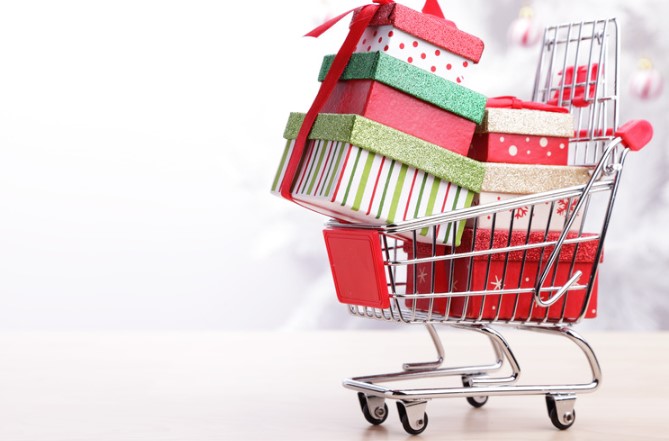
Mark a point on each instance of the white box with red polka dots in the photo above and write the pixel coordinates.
(415, 51)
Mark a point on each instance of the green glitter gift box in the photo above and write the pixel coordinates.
(357, 170)
(407, 98)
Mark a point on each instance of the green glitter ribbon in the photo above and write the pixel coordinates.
(386, 141)
(414, 81)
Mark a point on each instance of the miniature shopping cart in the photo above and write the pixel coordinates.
(530, 276)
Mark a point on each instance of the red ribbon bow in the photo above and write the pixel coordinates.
(356, 29)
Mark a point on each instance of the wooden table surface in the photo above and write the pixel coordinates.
(197, 386)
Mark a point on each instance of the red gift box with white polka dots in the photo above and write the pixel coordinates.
(415, 51)
(518, 132)
(426, 41)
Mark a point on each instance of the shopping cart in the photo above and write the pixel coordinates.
(532, 277)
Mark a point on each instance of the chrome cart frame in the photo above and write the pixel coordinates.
(430, 283)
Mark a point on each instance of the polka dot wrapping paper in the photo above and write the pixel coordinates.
(434, 30)
(523, 136)
(415, 51)
(519, 149)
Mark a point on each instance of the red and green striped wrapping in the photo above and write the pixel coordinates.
(354, 184)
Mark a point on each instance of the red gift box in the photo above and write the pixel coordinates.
(388, 106)
(504, 271)
(520, 132)
(433, 29)
(421, 279)
(424, 40)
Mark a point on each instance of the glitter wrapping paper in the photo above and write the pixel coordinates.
(527, 122)
(415, 51)
(403, 112)
(391, 143)
(557, 214)
(414, 81)
(519, 276)
(527, 179)
(519, 149)
(511, 274)
(502, 273)
(435, 30)
(585, 251)
(352, 184)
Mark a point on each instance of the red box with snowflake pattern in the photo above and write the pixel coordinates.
(521, 269)
(520, 132)
(505, 271)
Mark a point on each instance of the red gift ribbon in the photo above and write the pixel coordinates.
(356, 29)
(511, 102)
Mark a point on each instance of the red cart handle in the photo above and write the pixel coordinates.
(635, 134)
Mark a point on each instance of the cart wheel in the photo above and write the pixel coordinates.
(477, 401)
(568, 416)
(378, 414)
(420, 424)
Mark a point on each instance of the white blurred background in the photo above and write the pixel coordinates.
(139, 139)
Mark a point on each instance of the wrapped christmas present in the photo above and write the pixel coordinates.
(504, 271)
(424, 39)
(357, 170)
(509, 181)
(521, 132)
(402, 96)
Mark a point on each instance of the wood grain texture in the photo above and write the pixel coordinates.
(287, 386)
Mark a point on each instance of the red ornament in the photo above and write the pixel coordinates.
(524, 31)
(646, 82)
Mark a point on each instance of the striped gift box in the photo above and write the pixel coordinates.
(356, 185)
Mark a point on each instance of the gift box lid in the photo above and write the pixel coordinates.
(412, 80)
(530, 178)
(386, 141)
(508, 114)
(436, 30)
(585, 251)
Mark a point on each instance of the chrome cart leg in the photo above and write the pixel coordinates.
(413, 416)
(584, 346)
(560, 406)
(429, 364)
(502, 351)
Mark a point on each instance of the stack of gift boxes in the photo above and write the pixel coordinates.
(524, 148)
(400, 137)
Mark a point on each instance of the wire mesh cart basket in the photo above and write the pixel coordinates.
(539, 275)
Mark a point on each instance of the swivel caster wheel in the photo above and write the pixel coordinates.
(413, 416)
(477, 401)
(373, 408)
(561, 410)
